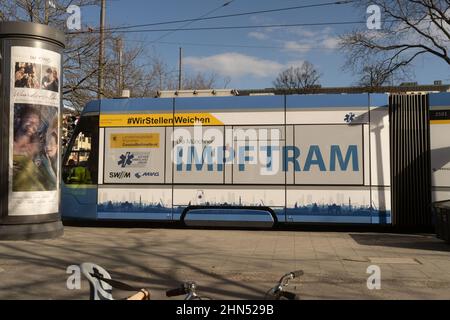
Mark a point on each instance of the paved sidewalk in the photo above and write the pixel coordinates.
(230, 264)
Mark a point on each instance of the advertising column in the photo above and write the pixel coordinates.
(31, 76)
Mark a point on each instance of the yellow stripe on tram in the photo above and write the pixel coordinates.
(445, 121)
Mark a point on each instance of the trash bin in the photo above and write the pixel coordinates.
(442, 218)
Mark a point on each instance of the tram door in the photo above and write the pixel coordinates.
(410, 160)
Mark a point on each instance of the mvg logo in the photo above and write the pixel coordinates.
(120, 175)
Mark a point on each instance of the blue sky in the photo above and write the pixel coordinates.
(250, 58)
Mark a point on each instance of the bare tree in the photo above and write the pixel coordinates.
(375, 74)
(143, 71)
(163, 77)
(226, 82)
(80, 59)
(303, 77)
(200, 81)
(411, 28)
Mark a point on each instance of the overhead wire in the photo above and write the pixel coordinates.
(205, 17)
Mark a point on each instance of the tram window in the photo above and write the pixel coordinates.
(81, 159)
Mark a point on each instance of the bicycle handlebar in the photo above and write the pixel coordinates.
(297, 273)
(289, 276)
(176, 292)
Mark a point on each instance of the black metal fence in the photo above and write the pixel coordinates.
(410, 160)
(442, 219)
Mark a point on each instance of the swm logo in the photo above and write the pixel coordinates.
(120, 175)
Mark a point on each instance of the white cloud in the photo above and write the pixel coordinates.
(331, 42)
(258, 35)
(307, 33)
(298, 40)
(310, 39)
(258, 19)
(294, 63)
(235, 65)
(302, 32)
(296, 46)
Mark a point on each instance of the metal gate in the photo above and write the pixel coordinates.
(410, 160)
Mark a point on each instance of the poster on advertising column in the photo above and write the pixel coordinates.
(33, 132)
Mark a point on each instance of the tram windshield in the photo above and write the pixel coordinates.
(80, 164)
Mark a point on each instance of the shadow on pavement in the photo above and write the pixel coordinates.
(41, 273)
(301, 227)
(414, 241)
